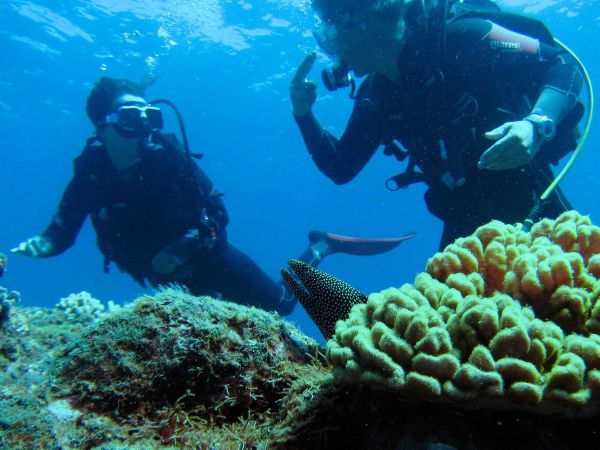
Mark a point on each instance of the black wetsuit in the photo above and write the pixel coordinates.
(152, 206)
(439, 110)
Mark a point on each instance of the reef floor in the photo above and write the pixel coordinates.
(176, 371)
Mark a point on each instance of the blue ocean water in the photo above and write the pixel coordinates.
(227, 65)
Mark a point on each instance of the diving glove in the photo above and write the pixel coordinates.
(35, 247)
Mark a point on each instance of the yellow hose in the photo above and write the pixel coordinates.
(588, 125)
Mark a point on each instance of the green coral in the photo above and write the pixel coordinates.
(475, 325)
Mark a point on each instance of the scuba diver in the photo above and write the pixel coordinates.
(478, 100)
(157, 215)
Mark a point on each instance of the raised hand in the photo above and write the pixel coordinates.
(303, 92)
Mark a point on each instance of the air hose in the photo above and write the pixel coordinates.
(588, 124)
(536, 210)
(186, 146)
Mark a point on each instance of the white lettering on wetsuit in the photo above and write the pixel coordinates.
(500, 37)
(503, 38)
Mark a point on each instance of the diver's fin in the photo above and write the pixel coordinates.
(351, 245)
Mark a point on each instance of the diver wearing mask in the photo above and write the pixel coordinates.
(157, 215)
(480, 101)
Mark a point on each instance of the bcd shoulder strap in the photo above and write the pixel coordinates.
(487, 9)
(433, 17)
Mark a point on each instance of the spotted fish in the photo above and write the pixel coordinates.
(325, 298)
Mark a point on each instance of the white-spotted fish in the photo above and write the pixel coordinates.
(325, 298)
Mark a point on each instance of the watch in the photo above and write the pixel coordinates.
(544, 125)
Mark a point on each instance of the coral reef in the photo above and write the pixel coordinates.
(82, 306)
(501, 317)
(28, 339)
(498, 333)
(2, 263)
(357, 416)
(168, 371)
(172, 348)
(7, 300)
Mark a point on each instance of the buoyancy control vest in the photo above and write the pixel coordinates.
(431, 18)
(161, 198)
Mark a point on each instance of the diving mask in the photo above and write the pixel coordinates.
(136, 120)
(333, 36)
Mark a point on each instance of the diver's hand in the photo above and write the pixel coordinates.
(35, 247)
(516, 145)
(303, 92)
(164, 262)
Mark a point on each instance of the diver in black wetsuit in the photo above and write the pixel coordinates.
(481, 104)
(157, 215)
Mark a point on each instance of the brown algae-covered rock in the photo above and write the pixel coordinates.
(170, 371)
(184, 363)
